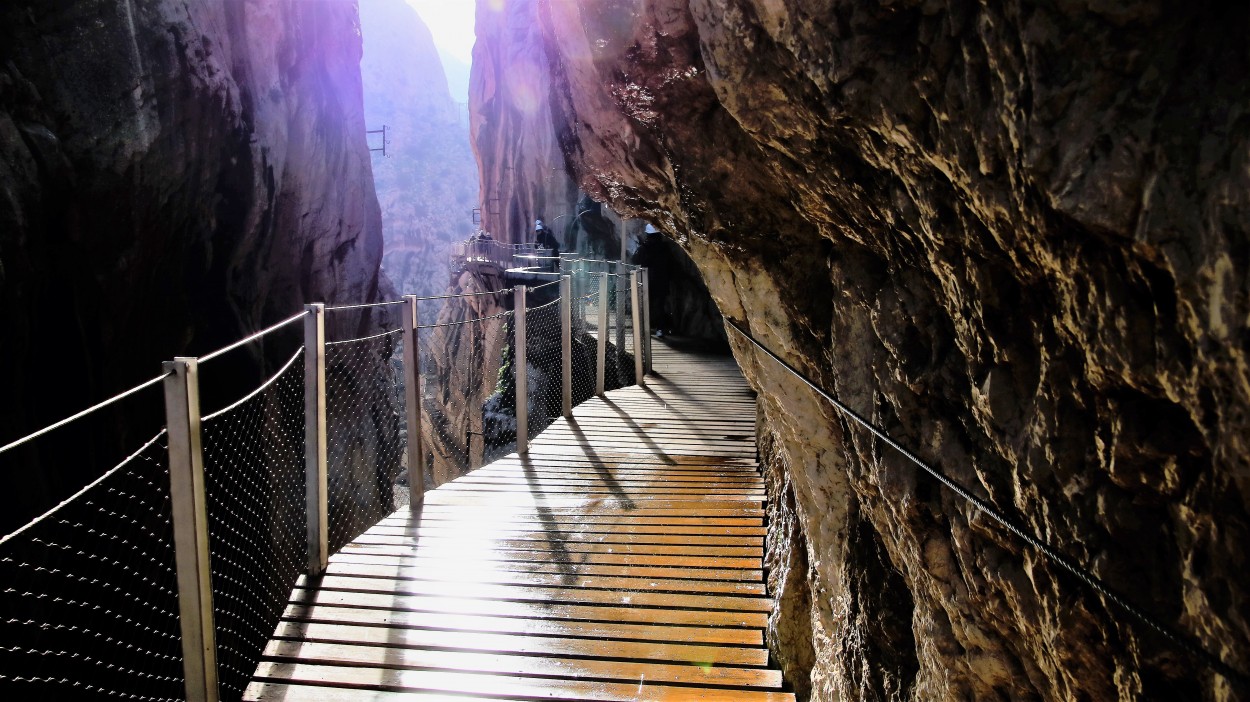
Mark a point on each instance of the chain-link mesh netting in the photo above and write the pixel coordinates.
(468, 417)
(624, 329)
(544, 365)
(585, 340)
(89, 595)
(254, 479)
(365, 432)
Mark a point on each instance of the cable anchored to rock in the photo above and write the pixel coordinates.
(1181, 640)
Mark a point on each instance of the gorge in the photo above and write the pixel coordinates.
(1012, 235)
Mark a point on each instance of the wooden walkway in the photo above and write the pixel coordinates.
(620, 560)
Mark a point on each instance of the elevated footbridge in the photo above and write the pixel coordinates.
(508, 495)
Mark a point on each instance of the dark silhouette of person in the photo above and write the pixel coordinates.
(544, 238)
(652, 254)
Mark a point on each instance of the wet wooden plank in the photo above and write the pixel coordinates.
(307, 682)
(510, 643)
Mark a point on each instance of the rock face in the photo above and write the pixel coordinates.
(176, 174)
(427, 184)
(1014, 236)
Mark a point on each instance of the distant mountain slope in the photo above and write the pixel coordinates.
(427, 185)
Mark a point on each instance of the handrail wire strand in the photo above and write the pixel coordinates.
(1210, 659)
(100, 405)
(465, 321)
(476, 294)
(365, 305)
(540, 287)
(241, 342)
(365, 338)
(543, 306)
(259, 389)
(121, 464)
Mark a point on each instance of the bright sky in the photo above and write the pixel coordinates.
(451, 23)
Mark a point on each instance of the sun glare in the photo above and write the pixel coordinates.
(451, 23)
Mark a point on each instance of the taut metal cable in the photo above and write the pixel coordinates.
(85, 489)
(476, 294)
(465, 321)
(254, 337)
(364, 305)
(99, 405)
(364, 338)
(259, 388)
(1213, 661)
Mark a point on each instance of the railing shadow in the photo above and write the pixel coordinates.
(600, 466)
(556, 537)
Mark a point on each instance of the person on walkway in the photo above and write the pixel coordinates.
(652, 254)
(544, 238)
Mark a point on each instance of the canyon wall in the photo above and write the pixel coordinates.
(1013, 235)
(175, 175)
(427, 183)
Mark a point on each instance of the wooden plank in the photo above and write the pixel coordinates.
(555, 577)
(521, 608)
(553, 532)
(456, 553)
(546, 542)
(695, 576)
(728, 636)
(433, 515)
(392, 657)
(541, 593)
(519, 644)
(495, 686)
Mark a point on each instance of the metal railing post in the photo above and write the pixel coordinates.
(646, 317)
(566, 345)
(636, 319)
(188, 503)
(412, 403)
(601, 356)
(622, 294)
(522, 374)
(316, 503)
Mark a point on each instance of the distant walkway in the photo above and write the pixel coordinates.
(620, 560)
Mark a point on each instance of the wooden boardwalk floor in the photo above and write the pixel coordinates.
(620, 560)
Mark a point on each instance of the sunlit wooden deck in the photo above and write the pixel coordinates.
(620, 560)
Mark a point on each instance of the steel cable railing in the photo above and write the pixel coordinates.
(1184, 642)
(262, 490)
(254, 488)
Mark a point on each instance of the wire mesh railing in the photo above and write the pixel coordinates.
(254, 485)
(483, 249)
(89, 601)
(165, 577)
(365, 434)
(466, 419)
(544, 361)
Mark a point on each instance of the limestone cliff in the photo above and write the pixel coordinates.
(1012, 234)
(427, 183)
(175, 174)
(519, 160)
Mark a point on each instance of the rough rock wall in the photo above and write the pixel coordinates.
(175, 174)
(522, 171)
(1014, 235)
(427, 184)
(461, 372)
